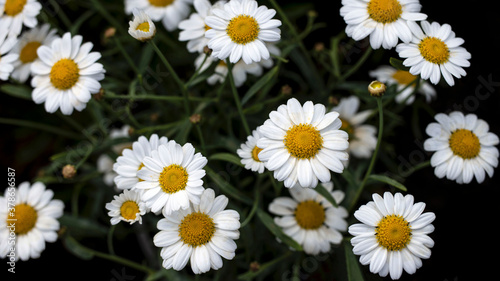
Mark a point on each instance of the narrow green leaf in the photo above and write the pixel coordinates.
(18, 91)
(227, 188)
(398, 64)
(328, 196)
(77, 249)
(83, 226)
(228, 157)
(352, 265)
(249, 275)
(268, 221)
(259, 84)
(388, 180)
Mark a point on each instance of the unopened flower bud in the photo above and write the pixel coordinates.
(377, 88)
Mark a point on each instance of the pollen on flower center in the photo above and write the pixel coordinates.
(144, 27)
(434, 50)
(173, 178)
(310, 214)
(28, 53)
(255, 153)
(14, 7)
(25, 217)
(64, 74)
(129, 210)
(160, 3)
(303, 141)
(393, 232)
(243, 29)
(196, 229)
(403, 77)
(384, 11)
(464, 143)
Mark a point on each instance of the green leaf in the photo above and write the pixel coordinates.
(18, 91)
(259, 84)
(228, 157)
(352, 265)
(83, 226)
(398, 64)
(268, 221)
(249, 275)
(77, 249)
(388, 180)
(227, 188)
(328, 196)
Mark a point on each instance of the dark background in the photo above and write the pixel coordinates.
(466, 239)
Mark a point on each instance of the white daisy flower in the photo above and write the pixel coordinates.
(105, 162)
(193, 29)
(141, 27)
(249, 153)
(126, 206)
(172, 177)
(66, 74)
(401, 78)
(7, 58)
(301, 143)
(463, 147)
(310, 219)
(385, 21)
(240, 29)
(169, 12)
(33, 219)
(435, 52)
(201, 234)
(362, 137)
(131, 161)
(392, 235)
(16, 13)
(26, 48)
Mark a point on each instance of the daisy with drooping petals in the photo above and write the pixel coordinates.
(105, 162)
(240, 30)
(201, 234)
(385, 21)
(131, 161)
(172, 177)
(169, 12)
(362, 137)
(7, 58)
(66, 74)
(249, 153)
(193, 29)
(141, 27)
(27, 46)
(435, 52)
(127, 206)
(33, 219)
(310, 219)
(16, 13)
(392, 235)
(401, 78)
(463, 147)
(301, 143)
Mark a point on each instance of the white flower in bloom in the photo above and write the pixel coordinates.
(385, 21)
(463, 147)
(16, 13)
(127, 206)
(202, 234)
(240, 30)
(66, 74)
(7, 60)
(172, 177)
(105, 162)
(35, 217)
(303, 143)
(362, 137)
(435, 52)
(26, 48)
(141, 27)
(249, 153)
(169, 12)
(392, 235)
(401, 78)
(310, 219)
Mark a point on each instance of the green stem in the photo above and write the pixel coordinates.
(127, 57)
(111, 19)
(358, 64)
(237, 98)
(64, 18)
(40, 126)
(123, 261)
(111, 249)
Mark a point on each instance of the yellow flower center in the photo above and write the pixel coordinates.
(403, 77)
(14, 7)
(310, 214)
(25, 218)
(255, 153)
(384, 11)
(28, 53)
(129, 210)
(196, 229)
(144, 27)
(465, 144)
(207, 27)
(393, 233)
(160, 3)
(348, 128)
(434, 50)
(243, 29)
(303, 141)
(64, 74)
(173, 178)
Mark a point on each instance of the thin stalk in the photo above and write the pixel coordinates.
(111, 19)
(237, 98)
(121, 260)
(111, 231)
(358, 64)
(39, 126)
(128, 58)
